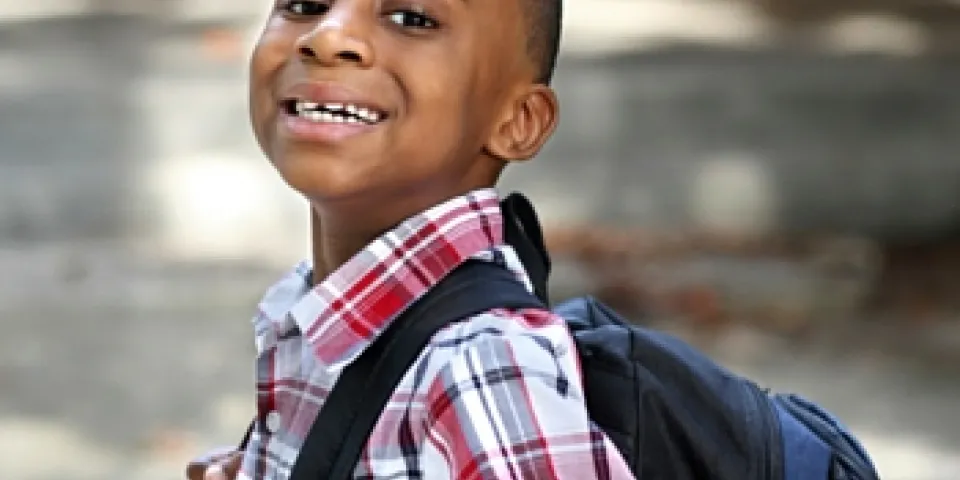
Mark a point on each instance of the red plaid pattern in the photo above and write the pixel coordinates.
(498, 396)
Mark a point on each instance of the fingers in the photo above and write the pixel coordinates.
(215, 472)
(225, 469)
(195, 471)
(221, 466)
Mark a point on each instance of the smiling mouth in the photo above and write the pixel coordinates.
(333, 112)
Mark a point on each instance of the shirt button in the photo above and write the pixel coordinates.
(273, 421)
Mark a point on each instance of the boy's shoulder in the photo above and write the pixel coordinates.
(532, 339)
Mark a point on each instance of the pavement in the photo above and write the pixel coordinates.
(139, 363)
(126, 344)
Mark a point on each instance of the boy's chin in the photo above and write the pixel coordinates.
(322, 187)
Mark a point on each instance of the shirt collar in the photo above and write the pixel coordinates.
(342, 315)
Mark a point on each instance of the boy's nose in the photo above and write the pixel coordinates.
(336, 40)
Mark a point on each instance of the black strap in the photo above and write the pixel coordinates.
(337, 438)
(521, 230)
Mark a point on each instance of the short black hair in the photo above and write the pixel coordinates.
(544, 18)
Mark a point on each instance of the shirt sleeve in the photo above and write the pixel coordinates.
(512, 407)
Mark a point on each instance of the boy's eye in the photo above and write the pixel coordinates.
(305, 7)
(412, 19)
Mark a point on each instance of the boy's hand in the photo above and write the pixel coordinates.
(218, 465)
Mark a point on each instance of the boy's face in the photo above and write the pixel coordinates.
(423, 97)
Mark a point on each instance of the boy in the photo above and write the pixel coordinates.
(394, 119)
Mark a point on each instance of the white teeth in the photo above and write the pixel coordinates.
(335, 113)
(372, 117)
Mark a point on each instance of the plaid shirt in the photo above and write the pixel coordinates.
(497, 396)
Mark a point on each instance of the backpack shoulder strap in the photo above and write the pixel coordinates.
(336, 440)
(521, 230)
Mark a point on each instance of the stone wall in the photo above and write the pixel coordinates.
(773, 140)
(768, 141)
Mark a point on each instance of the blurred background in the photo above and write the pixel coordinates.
(777, 181)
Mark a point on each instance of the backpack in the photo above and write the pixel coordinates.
(671, 412)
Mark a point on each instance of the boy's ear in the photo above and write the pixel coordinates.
(525, 125)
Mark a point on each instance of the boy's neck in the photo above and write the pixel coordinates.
(334, 242)
(337, 235)
(339, 231)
